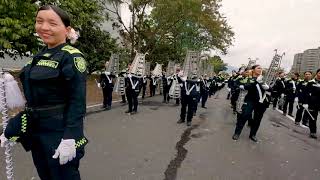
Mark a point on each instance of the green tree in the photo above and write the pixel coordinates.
(97, 46)
(17, 22)
(218, 64)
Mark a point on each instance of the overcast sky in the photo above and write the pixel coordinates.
(261, 26)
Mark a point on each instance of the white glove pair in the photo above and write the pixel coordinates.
(306, 106)
(66, 151)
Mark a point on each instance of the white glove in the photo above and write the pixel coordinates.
(282, 95)
(3, 140)
(296, 99)
(265, 86)
(129, 75)
(241, 87)
(306, 106)
(99, 85)
(229, 89)
(66, 151)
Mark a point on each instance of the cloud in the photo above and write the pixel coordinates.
(264, 25)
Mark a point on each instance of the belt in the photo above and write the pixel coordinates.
(46, 111)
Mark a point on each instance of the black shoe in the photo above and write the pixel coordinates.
(297, 123)
(204, 107)
(180, 121)
(313, 136)
(305, 124)
(123, 101)
(108, 108)
(128, 111)
(235, 137)
(194, 114)
(253, 138)
(285, 114)
(103, 107)
(189, 123)
(290, 115)
(134, 112)
(274, 108)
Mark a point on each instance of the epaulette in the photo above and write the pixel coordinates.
(313, 80)
(71, 50)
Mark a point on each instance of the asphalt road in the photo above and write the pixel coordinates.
(151, 146)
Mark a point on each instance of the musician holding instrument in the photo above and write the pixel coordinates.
(106, 82)
(290, 94)
(256, 102)
(278, 89)
(302, 95)
(312, 104)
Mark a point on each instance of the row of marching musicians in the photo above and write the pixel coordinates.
(251, 96)
(305, 91)
(129, 86)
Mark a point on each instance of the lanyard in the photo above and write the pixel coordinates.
(110, 80)
(283, 84)
(186, 88)
(260, 93)
(133, 85)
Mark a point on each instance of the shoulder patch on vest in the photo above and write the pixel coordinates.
(80, 64)
(70, 49)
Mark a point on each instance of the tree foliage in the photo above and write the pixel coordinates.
(166, 29)
(17, 33)
(218, 64)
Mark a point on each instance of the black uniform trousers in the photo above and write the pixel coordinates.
(247, 109)
(47, 133)
(289, 100)
(190, 102)
(152, 90)
(312, 120)
(132, 97)
(299, 117)
(123, 97)
(166, 96)
(107, 97)
(144, 87)
(204, 98)
(275, 100)
(234, 98)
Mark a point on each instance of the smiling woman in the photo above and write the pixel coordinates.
(52, 25)
(54, 85)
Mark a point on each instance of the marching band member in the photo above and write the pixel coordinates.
(106, 82)
(278, 89)
(132, 83)
(189, 93)
(302, 95)
(255, 102)
(204, 90)
(290, 94)
(312, 104)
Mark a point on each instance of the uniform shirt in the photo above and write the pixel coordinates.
(302, 91)
(132, 84)
(58, 76)
(255, 91)
(204, 86)
(189, 87)
(106, 81)
(291, 87)
(279, 86)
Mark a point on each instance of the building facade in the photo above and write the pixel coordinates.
(309, 60)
